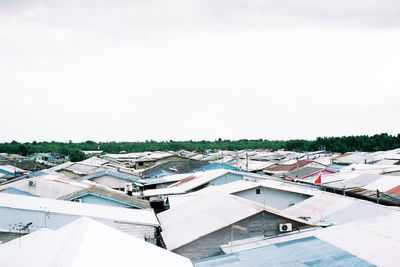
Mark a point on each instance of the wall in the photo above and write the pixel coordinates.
(256, 225)
(11, 218)
(273, 198)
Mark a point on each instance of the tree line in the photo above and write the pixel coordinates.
(342, 144)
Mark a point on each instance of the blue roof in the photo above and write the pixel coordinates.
(309, 251)
(335, 167)
(9, 173)
(12, 190)
(119, 175)
(215, 166)
(36, 174)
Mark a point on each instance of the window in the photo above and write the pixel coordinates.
(258, 191)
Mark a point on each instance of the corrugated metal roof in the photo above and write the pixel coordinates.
(85, 242)
(356, 182)
(207, 214)
(308, 251)
(331, 208)
(385, 183)
(304, 171)
(136, 216)
(115, 174)
(200, 178)
(47, 186)
(395, 190)
(289, 167)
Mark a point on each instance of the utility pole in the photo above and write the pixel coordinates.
(247, 161)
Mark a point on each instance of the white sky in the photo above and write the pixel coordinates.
(137, 70)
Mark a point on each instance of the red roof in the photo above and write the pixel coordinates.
(290, 167)
(394, 190)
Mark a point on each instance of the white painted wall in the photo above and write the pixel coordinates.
(273, 198)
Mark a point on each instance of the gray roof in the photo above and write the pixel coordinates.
(109, 194)
(301, 172)
(176, 167)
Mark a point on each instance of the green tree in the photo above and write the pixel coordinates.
(77, 155)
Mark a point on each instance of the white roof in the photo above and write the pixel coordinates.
(166, 178)
(385, 183)
(253, 165)
(327, 208)
(181, 187)
(94, 161)
(319, 206)
(135, 216)
(47, 185)
(12, 169)
(85, 242)
(386, 162)
(370, 168)
(206, 214)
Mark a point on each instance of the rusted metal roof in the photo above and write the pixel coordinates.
(394, 190)
(289, 167)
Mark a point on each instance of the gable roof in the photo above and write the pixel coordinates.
(119, 175)
(304, 171)
(206, 214)
(327, 208)
(85, 242)
(46, 185)
(131, 216)
(190, 182)
(288, 167)
(111, 194)
(175, 167)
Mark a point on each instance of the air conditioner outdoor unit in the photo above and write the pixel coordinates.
(285, 227)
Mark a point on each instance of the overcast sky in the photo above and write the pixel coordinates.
(156, 69)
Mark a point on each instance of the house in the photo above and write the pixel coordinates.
(308, 173)
(46, 185)
(198, 228)
(8, 171)
(282, 169)
(78, 169)
(106, 196)
(196, 181)
(370, 186)
(215, 166)
(47, 158)
(307, 251)
(17, 211)
(156, 158)
(111, 179)
(85, 242)
(173, 167)
(364, 242)
(28, 165)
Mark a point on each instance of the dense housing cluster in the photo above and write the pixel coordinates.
(252, 207)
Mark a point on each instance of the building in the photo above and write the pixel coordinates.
(18, 211)
(85, 242)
